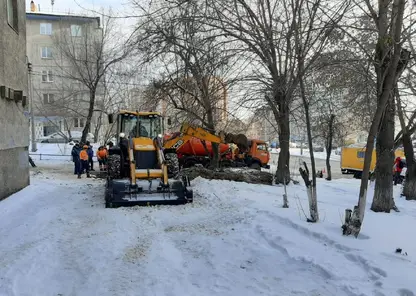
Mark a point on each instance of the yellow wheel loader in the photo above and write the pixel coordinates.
(137, 160)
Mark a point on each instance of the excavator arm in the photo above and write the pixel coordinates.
(187, 132)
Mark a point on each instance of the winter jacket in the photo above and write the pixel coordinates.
(90, 152)
(398, 165)
(102, 154)
(75, 153)
(83, 155)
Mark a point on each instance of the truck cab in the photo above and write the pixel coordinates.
(259, 153)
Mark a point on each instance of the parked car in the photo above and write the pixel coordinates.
(318, 149)
(338, 151)
(53, 138)
(63, 137)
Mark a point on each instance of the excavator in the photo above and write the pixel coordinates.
(138, 157)
(251, 153)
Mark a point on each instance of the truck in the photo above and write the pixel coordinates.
(193, 145)
(352, 159)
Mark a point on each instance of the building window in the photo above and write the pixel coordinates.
(78, 122)
(76, 31)
(48, 98)
(47, 76)
(12, 16)
(46, 53)
(46, 29)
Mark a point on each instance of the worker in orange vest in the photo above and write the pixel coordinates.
(83, 157)
(102, 158)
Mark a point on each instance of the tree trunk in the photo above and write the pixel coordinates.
(329, 146)
(283, 173)
(409, 188)
(387, 74)
(383, 193)
(87, 127)
(311, 186)
(215, 159)
(311, 192)
(67, 128)
(98, 127)
(215, 155)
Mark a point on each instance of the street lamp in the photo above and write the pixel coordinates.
(32, 116)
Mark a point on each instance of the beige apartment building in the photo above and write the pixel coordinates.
(14, 127)
(54, 42)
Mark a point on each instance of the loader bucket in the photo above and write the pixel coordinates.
(119, 193)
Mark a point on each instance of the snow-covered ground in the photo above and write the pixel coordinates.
(319, 155)
(305, 153)
(56, 152)
(235, 239)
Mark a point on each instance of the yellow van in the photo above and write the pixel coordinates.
(352, 159)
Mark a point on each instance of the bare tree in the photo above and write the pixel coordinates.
(389, 61)
(266, 33)
(85, 55)
(330, 115)
(196, 64)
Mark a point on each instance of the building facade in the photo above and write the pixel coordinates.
(14, 127)
(56, 47)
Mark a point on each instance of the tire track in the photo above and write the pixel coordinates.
(374, 273)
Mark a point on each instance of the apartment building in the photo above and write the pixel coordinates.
(57, 47)
(262, 125)
(14, 127)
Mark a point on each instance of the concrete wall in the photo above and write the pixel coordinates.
(14, 127)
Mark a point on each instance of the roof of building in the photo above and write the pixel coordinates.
(58, 17)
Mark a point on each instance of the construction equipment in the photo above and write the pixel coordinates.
(193, 145)
(352, 159)
(139, 157)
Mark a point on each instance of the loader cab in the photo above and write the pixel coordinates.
(137, 130)
(148, 126)
(141, 124)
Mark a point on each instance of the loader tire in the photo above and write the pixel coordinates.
(114, 166)
(173, 165)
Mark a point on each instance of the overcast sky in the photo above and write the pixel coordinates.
(89, 7)
(74, 5)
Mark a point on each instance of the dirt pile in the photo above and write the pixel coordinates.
(231, 174)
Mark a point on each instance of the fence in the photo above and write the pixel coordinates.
(47, 156)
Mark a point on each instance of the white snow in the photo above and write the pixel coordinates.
(235, 239)
(305, 153)
(318, 155)
(56, 152)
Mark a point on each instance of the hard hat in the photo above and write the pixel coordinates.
(85, 147)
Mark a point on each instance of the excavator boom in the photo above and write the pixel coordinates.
(188, 131)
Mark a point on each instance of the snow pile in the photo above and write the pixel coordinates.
(235, 239)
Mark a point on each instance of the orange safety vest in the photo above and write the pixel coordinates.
(83, 155)
(101, 154)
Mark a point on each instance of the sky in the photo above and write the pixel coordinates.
(75, 6)
(119, 8)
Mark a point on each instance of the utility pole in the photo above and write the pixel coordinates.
(32, 115)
